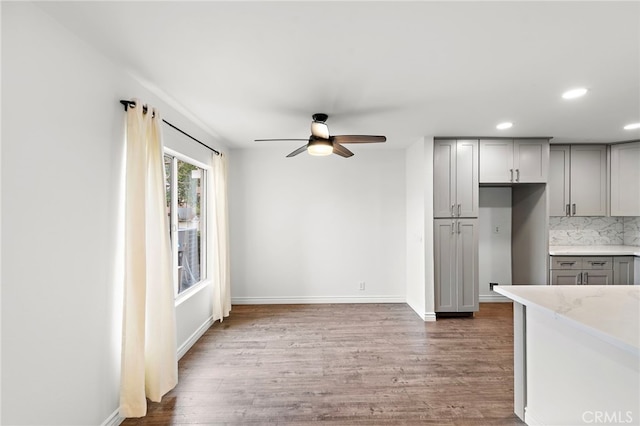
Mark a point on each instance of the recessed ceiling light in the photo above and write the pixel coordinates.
(632, 126)
(505, 125)
(574, 93)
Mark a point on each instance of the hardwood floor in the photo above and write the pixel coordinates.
(358, 364)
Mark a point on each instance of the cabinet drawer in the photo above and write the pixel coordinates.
(597, 263)
(566, 262)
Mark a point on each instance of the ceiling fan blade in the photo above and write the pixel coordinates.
(341, 150)
(357, 139)
(266, 140)
(298, 151)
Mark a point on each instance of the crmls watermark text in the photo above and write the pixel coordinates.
(607, 417)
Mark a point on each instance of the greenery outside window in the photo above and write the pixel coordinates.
(186, 203)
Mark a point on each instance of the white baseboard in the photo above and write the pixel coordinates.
(304, 300)
(113, 420)
(429, 316)
(492, 298)
(194, 337)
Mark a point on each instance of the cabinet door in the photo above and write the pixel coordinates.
(496, 161)
(444, 265)
(588, 180)
(531, 160)
(467, 258)
(558, 185)
(597, 277)
(444, 173)
(565, 277)
(623, 270)
(467, 178)
(625, 179)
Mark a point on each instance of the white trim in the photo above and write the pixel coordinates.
(113, 420)
(184, 348)
(424, 316)
(417, 311)
(315, 299)
(192, 291)
(429, 316)
(493, 298)
(186, 159)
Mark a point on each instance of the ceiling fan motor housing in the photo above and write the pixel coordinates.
(319, 117)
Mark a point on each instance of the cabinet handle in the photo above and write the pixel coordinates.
(458, 227)
(598, 263)
(517, 175)
(573, 207)
(511, 171)
(453, 228)
(567, 263)
(452, 209)
(567, 210)
(459, 209)
(586, 278)
(579, 279)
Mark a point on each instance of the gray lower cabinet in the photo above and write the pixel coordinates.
(581, 277)
(591, 270)
(456, 265)
(623, 270)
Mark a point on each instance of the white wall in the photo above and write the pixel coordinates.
(61, 172)
(310, 229)
(419, 238)
(495, 246)
(415, 239)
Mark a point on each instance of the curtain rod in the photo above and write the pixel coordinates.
(132, 104)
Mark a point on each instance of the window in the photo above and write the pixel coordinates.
(186, 211)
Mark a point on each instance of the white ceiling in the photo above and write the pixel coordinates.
(402, 69)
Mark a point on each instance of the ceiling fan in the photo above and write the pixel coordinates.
(322, 143)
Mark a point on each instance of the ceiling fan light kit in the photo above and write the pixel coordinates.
(321, 143)
(319, 147)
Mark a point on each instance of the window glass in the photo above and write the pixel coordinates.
(185, 201)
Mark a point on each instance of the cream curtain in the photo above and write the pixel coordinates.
(149, 353)
(219, 238)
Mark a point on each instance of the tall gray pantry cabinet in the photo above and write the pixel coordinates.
(455, 192)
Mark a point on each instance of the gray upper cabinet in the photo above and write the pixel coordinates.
(625, 179)
(558, 186)
(455, 178)
(514, 161)
(578, 180)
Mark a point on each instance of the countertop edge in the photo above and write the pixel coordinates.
(575, 323)
(599, 250)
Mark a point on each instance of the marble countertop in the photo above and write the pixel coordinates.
(611, 313)
(594, 250)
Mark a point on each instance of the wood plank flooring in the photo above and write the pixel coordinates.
(345, 364)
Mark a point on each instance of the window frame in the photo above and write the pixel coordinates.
(173, 225)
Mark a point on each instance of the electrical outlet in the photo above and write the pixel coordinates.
(362, 286)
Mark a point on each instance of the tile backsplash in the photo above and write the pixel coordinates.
(632, 231)
(587, 231)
